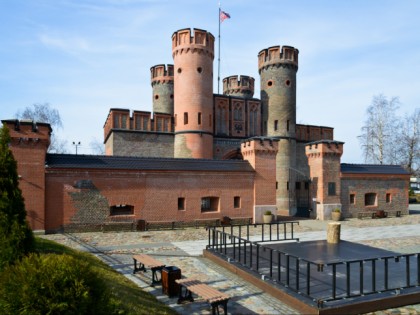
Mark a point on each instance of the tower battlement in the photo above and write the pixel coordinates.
(278, 55)
(185, 40)
(242, 86)
(162, 74)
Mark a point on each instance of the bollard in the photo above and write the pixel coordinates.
(333, 232)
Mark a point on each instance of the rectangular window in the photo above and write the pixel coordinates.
(331, 189)
(116, 121)
(306, 185)
(277, 185)
(388, 198)
(297, 185)
(352, 199)
(124, 121)
(181, 203)
(209, 204)
(138, 123)
(288, 125)
(185, 118)
(145, 123)
(121, 210)
(236, 202)
(287, 185)
(199, 118)
(370, 199)
(276, 125)
(159, 124)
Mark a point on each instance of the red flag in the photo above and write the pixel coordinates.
(223, 16)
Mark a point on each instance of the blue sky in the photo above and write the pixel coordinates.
(87, 56)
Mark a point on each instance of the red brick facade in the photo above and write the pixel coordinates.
(285, 167)
(29, 143)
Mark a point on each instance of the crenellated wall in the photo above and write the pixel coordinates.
(29, 144)
(162, 78)
(261, 154)
(278, 66)
(193, 53)
(242, 86)
(324, 165)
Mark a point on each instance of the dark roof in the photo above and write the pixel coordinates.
(373, 169)
(138, 163)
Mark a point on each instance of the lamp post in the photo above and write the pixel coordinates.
(76, 144)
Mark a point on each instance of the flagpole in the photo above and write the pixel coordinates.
(218, 64)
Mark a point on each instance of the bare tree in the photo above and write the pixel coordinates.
(44, 113)
(379, 131)
(409, 142)
(97, 147)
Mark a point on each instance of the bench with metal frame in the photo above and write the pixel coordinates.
(145, 261)
(214, 297)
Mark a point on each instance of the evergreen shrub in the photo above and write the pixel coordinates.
(52, 284)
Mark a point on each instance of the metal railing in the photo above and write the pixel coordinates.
(321, 283)
(277, 231)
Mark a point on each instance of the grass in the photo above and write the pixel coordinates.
(128, 296)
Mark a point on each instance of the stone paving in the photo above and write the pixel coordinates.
(183, 248)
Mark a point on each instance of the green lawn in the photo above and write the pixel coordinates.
(128, 296)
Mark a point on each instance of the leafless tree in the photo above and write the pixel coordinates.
(45, 113)
(379, 131)
(409, 142)
(97, 147)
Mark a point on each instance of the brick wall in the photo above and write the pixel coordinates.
(359, 185)
(154, 195)
(141, 144)
(324, 165)
(29, 143)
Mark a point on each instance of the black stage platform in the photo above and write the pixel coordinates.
(343, 277)
(321, 252)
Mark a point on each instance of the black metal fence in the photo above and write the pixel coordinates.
(321, 283)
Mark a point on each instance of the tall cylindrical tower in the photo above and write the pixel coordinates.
(162, 78)
(278, 67)
(193, 55)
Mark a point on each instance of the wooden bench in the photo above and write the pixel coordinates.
(366, 214)
(241, 220)
(146, 261)
(162, 225)
(209, 294)
(395, 213)
(374, 214)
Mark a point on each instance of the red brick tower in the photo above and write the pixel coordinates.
(162, 78)
(261, 154)
(324, 165)
(193, 55)
(278, 67)
(29, 144)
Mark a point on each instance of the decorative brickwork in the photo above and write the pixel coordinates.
(201, 156)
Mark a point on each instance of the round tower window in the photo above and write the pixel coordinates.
(156, 97)
(179, 70)
(199, 69)
(171, 96)
(270, 83)
(288, 83)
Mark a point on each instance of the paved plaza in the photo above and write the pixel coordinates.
(183, 248)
